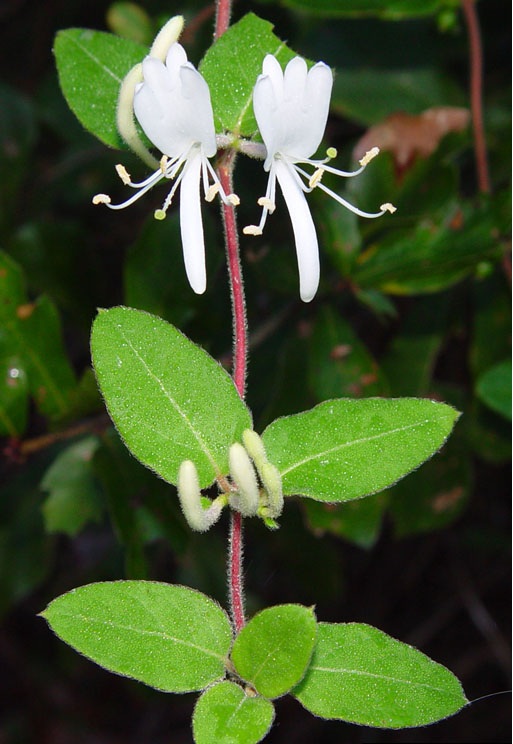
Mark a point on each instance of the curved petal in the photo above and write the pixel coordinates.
(191, 225)
(294, 81)
(272, 69)
(307, 247)
(195, 117)
(267, 114)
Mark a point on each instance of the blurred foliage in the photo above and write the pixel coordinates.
(413, 304)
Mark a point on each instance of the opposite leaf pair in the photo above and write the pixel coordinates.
(173, 106)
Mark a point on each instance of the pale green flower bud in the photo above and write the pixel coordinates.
(199, 518)
(241, 469)
(271, 479)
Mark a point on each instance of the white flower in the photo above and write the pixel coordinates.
(291, 109)
(173, 107)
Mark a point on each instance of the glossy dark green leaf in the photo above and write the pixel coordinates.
(273, 650)
(169, 399)
(357, 521)
(169, 637)
(345, 449)
(91, 67)
(430, 257)
(369, 95)
(72, 498)
(361, 675)
(339, 363)
(231, 67)
(493, 387)
(226, 714)
(393, 10)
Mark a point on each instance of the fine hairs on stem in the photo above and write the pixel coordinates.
(225, 171)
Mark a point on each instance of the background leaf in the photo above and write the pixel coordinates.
(345, 449)
(494, 388)
(364, 676)
(227, 715)
(167, 636)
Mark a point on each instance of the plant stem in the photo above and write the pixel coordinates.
(240, 342)
(240, 345)
(476, 93)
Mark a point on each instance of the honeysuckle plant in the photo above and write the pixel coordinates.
(185, 418)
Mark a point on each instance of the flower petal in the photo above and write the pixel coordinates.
(191, 225)
(307, 247)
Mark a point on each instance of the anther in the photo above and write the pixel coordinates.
(101, 199)
(267, 204)
(388, 208)
(233, 199)
(369, 156)
(252, 230)
(316, 177)
(212, 192)
(163, 164)
(123, 174)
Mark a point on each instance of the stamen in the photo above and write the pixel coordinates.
(252, 230)
(123, 174)
(387, 207)
(370, 155)
(101, 199)
(265, 202)
(316, 177)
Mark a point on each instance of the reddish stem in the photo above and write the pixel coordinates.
(223, 13)
(240, 344)
(476, 93)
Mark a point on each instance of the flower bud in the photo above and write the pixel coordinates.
(199, 518)
(271, 479)
(243, 472)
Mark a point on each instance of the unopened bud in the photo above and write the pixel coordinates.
(254, 446)
(271, 480)
(199, 518)
(168, 34)
(125, 116)
(243, 472)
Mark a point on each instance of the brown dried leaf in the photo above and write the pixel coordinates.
(408, 136)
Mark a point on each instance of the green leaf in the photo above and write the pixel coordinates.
(273, 650)
(231, 67)
(227, 715)
(91, 67)
(346, 449)
(393, 9)
(169, 637)
(169, 399)
(73, 499)
(494, 388)
(361, 675)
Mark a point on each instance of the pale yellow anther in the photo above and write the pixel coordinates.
(387, 207)
(159, 214)
(212, 192)
(123, 174)
(267, 204)
(369, 156)
(252, 230)
(168, 34)
(233, 199)
(332, 152)
(163, 164)
(101, 199)
(316, 177)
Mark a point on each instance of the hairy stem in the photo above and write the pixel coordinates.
(240, 342)
(476, 93)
